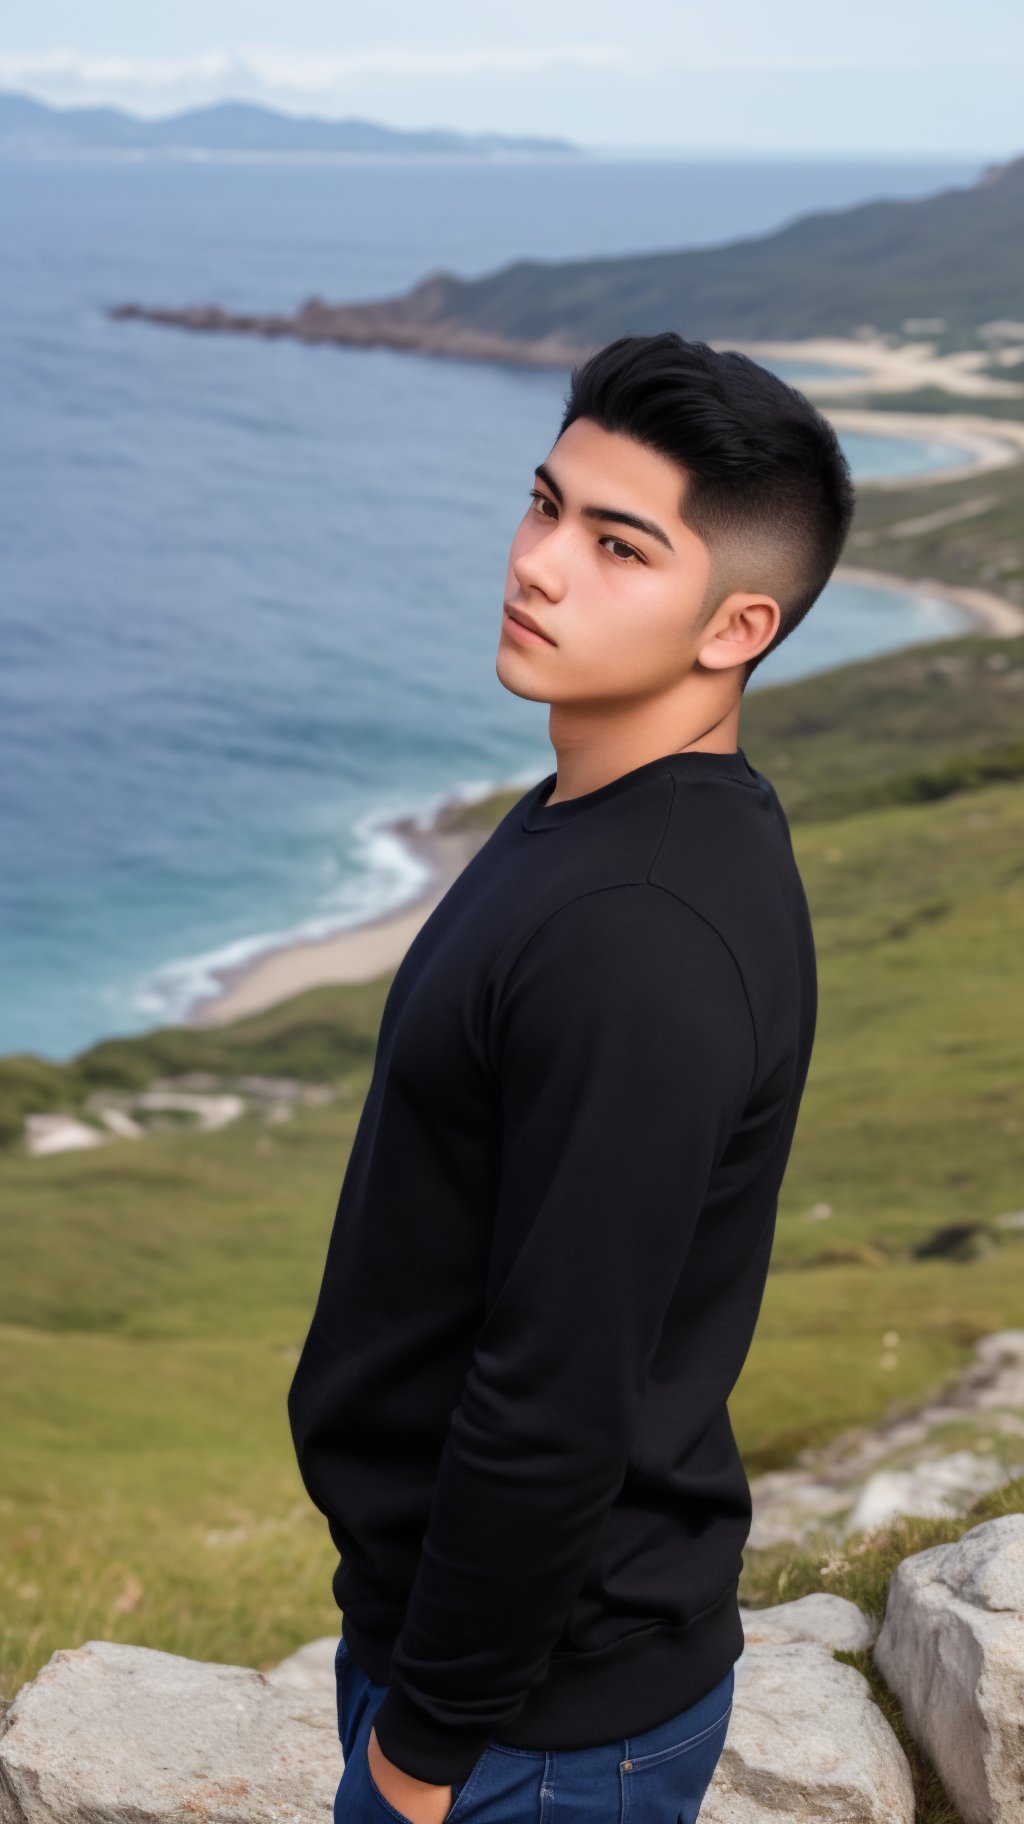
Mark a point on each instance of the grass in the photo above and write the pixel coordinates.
(861, 1572)
(932, 1805)
(935, 400)
(984, 549)
(156, 1294)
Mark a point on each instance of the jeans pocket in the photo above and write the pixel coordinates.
(384, 1803)
(671, 1781)
(638, 1762)
(459, 1789)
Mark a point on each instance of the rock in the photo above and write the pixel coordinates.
(791, 1504)
(956, 1241)
(867, 1476)
(830, 1620)
(130, 1734)
(310, 1668)
(210, 1111)
(952, 1649)
(806, 1741)
(938, 1487)
(59, 1134)
(121, 1123)
(996, 1376)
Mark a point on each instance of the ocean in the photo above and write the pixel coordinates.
(252, 589)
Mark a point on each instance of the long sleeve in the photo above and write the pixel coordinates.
(623, 1053)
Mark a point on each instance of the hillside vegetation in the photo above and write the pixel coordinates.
(968, 532)
(156, 1293)
(959, 254)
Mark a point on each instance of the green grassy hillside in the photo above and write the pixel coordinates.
(967, 532)
(156, 1293)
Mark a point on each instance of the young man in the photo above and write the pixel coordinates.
(553, 1233)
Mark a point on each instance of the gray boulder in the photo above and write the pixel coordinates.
(310, 1668)
(938, 1487)
(952, 1649)
(131, 1735)
(830, 1620)
(806, 1740)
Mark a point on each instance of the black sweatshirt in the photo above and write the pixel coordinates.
(547, 1261)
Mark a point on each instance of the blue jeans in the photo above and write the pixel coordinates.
(657, 1777)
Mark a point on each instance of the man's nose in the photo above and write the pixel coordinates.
(544, 567)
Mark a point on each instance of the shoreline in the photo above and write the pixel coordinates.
(356, 953)
(880, 367)
(376, 946)
(987, 612)
(409, 323)
(987, 446)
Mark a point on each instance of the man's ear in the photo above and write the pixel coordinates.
(743, 624)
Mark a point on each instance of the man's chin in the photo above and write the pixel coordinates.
(516, 679)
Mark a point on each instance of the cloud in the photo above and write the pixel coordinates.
(706, 83)
(285, 71)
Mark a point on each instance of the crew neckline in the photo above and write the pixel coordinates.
(697, 763)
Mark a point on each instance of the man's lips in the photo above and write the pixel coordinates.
(533, 628)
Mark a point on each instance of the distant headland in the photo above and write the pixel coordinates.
(30, 128)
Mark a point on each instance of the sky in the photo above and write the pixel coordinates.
(934, 79)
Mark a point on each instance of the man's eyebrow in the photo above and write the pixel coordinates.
(543, 473)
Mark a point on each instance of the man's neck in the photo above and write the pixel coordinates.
(589, 759)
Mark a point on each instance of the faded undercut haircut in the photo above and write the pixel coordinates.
(767, 486)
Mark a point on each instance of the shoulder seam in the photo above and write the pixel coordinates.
(610, 886)
(711, 927)
(681, 900)
(616, 886)
(669, 808)
(606, 887)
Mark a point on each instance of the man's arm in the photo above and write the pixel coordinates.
(623, 1053)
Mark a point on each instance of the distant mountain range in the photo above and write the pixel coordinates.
(29, 128)
(954, 261)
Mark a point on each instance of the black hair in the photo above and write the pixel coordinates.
(764, 468)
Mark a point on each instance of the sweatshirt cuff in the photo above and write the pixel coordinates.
(442, 1753)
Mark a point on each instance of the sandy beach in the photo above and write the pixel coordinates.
(881, 368)
(357, 954)
(987, 445)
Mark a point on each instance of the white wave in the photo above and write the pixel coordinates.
(386, 875)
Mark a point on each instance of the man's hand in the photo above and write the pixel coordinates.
(418, 1800)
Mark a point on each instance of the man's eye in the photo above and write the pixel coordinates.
(630, 553)
(630, 556)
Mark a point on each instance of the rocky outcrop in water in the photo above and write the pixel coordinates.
(412, 321)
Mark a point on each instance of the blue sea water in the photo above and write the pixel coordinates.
(253, 589)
